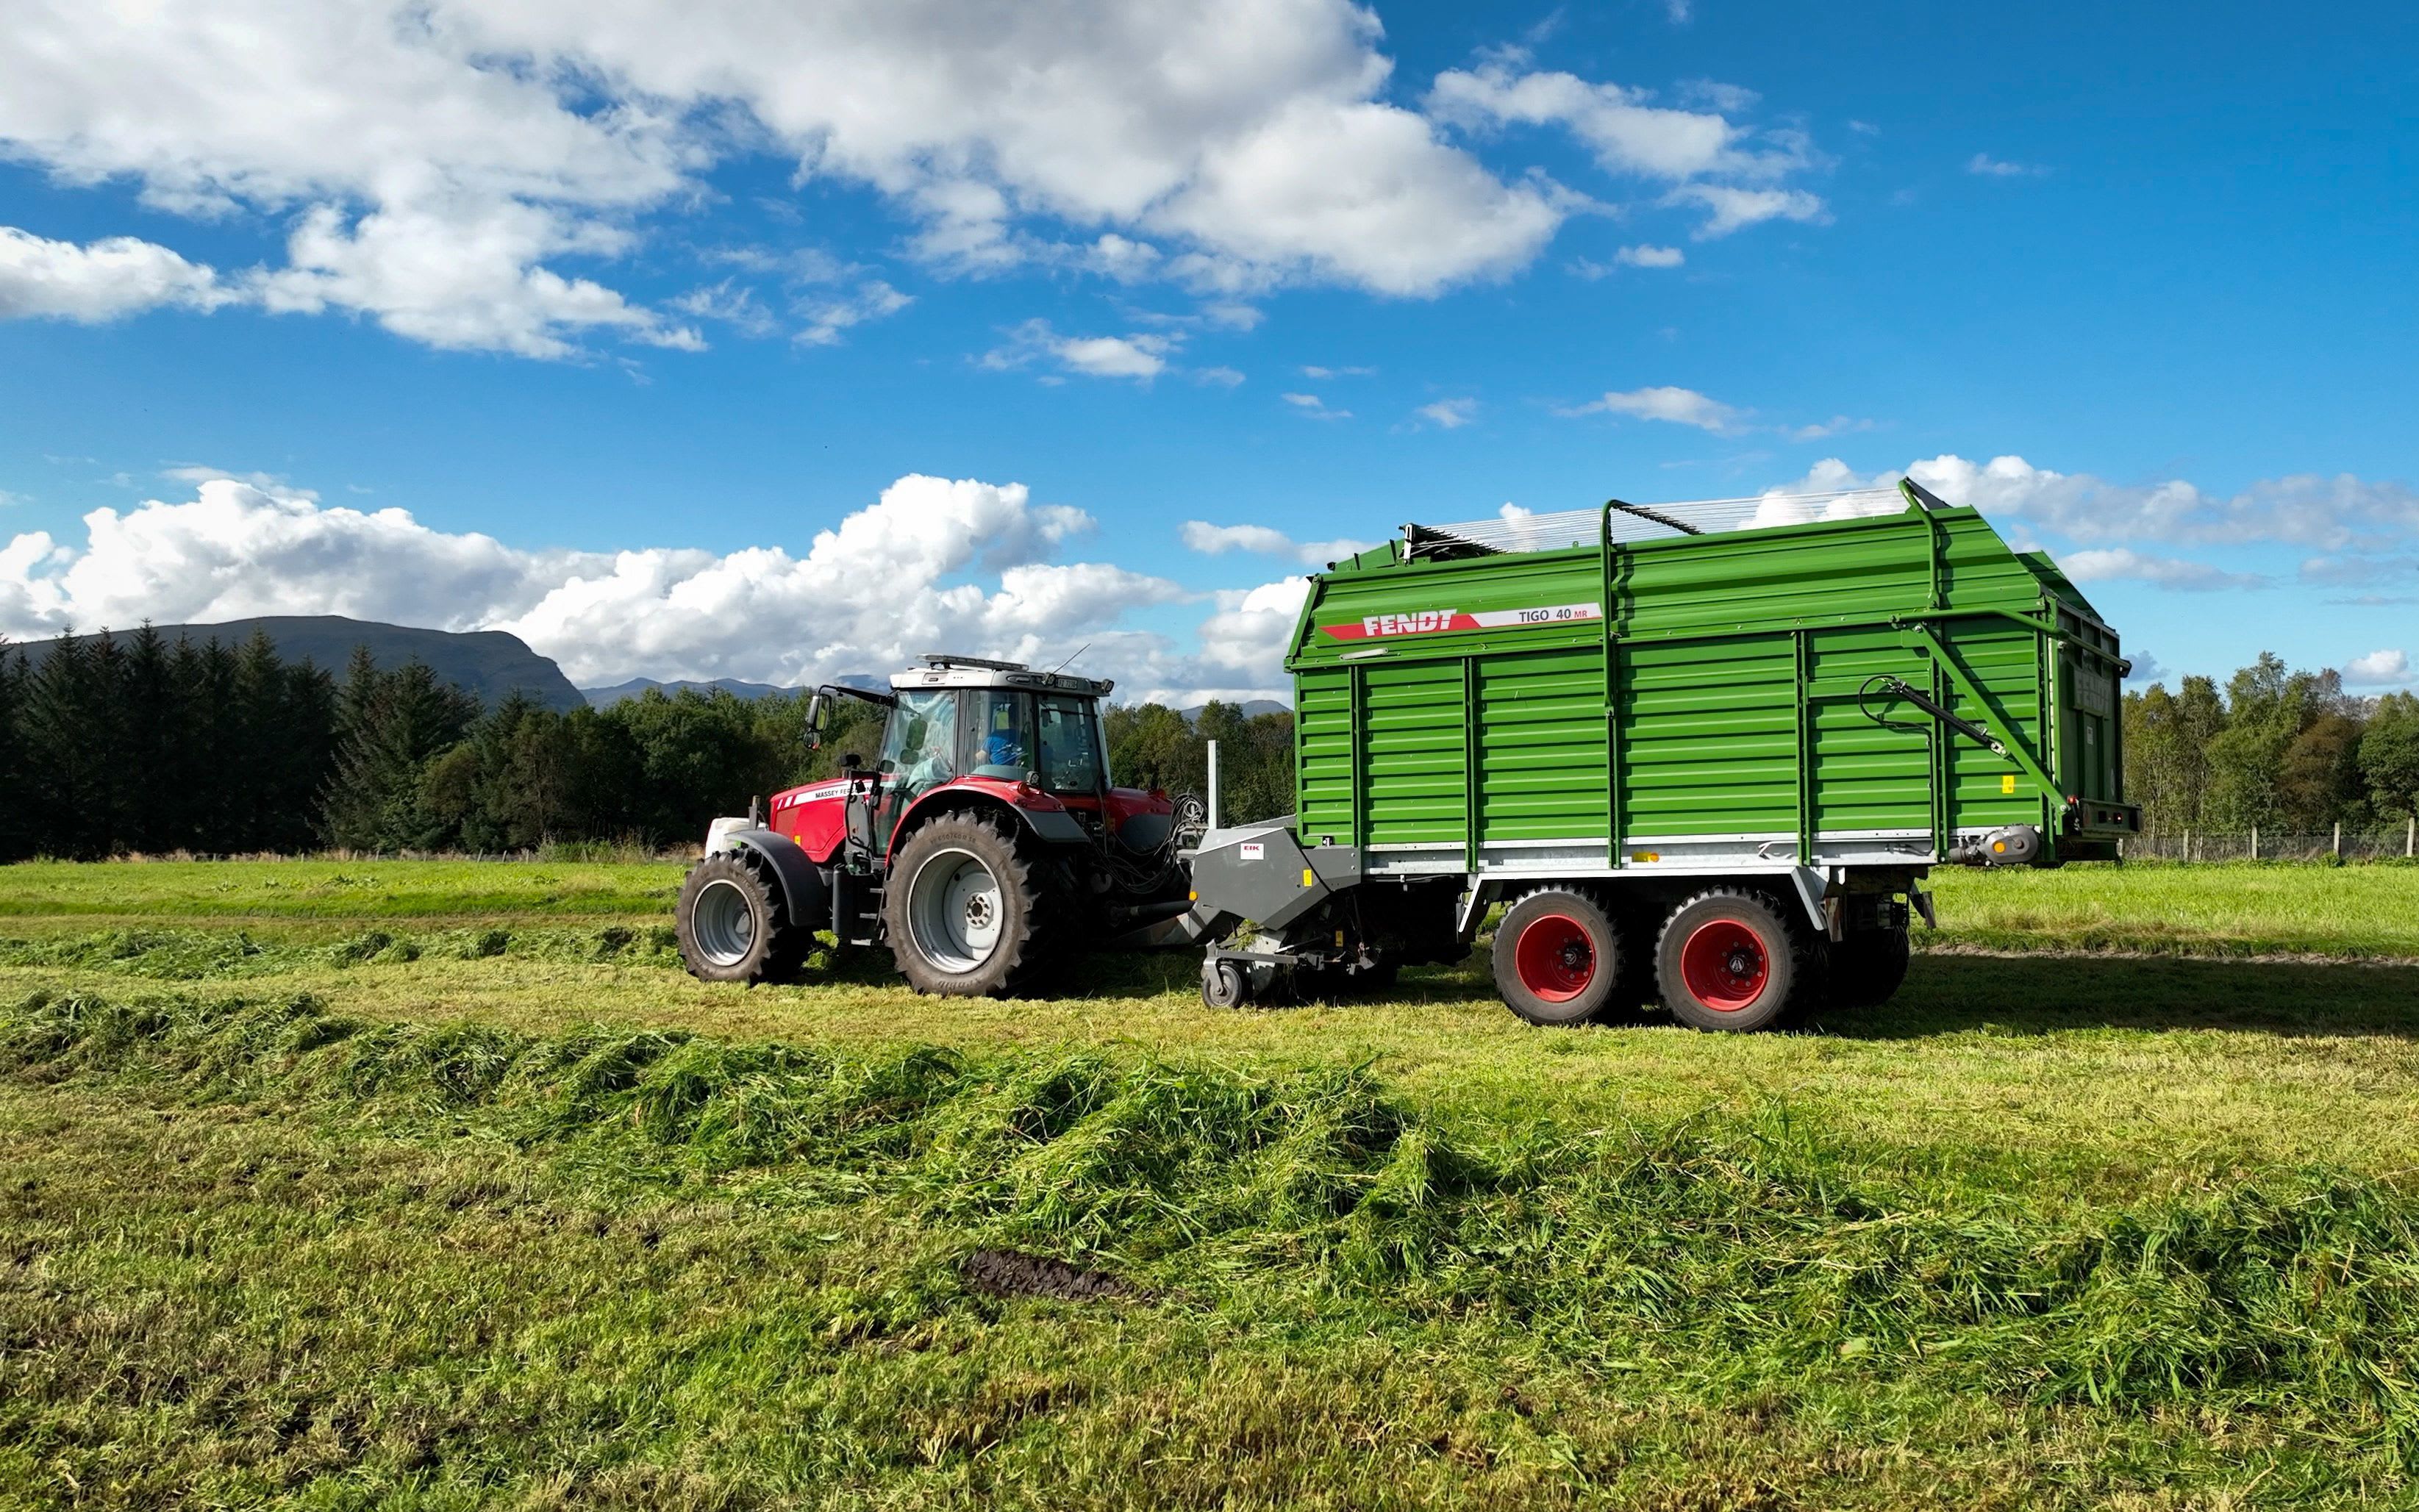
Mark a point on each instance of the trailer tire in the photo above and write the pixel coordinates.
(1867, 968)
(970, 913)
(1736, 960)
(1557, 958)
(732, 925)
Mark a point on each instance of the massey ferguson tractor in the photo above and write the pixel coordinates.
(985, 845)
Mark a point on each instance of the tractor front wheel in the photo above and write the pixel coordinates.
(734, 924)
(969, 914)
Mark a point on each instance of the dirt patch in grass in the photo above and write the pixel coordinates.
(1008, 1273)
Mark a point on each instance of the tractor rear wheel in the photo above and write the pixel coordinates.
(1733, 959)
(969, 913)
(1867, 968)
(1557, 958)
(734, 924)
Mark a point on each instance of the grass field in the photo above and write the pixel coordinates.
(436, 1185)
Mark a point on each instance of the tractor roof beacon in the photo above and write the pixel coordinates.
(985, 845)
(1702, 753)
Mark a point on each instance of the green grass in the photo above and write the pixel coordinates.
(432, 892)
(375, 1192)
(2246, 909)
(267, 1251)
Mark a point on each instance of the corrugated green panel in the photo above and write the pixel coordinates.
(1541, 770)
(2004, 661)
(1710, 705)
(1847, 570)
(1412, 753)
(1709, 736)
(1870, 773)
(1323, 752)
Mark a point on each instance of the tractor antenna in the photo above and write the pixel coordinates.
(1070, 656)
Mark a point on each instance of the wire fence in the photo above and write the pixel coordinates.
(2391, 842)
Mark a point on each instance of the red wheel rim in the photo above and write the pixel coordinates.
(1554, 956)
(1725, 965)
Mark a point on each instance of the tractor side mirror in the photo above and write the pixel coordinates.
(815, 719)
(850, 761)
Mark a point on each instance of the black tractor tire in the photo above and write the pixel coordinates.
(1867, 968)
(1736, 960)
(1558, 959)
(994, 919)
(734, 924)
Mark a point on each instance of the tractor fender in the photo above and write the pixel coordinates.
(804, 893)
(1051, 826)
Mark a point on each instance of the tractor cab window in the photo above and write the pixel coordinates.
(920, 748)
(1000, 734)
(1069, 745)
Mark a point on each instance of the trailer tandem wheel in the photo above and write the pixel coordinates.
(1557, 958)
(1867, 968)
(1734, 959)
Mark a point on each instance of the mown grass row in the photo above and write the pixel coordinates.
(1726, 1248)
(201, 954)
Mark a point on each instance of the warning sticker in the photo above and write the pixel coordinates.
(1437, 622)
(1253, 850)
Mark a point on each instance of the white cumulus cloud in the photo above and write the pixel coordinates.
(443, 163)
(2379, 668)
(1678, 406)
(2104, 563)
(932, 564)
(1450, 414)
(1218, 539)
(99, 280)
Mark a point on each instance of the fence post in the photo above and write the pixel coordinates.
(2254, 841)
(1213, 785)
(2338, 839)
(2411, 838)
(2187, 844)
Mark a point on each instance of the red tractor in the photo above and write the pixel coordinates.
(985, 845)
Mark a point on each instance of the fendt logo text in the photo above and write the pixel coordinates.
(1419, 624)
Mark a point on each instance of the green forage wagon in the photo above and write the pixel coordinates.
(1704, 752)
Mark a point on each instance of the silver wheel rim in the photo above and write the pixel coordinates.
(954, 910)
(724, 923)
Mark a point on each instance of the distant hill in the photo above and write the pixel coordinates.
(614, 695)
(1252, 709)
(489, 663)
(603, 697)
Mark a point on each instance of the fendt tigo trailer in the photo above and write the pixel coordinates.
(1704, 752)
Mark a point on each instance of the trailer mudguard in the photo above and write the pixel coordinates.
(804, 892)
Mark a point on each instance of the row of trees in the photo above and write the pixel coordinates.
(112, 744)
(2275, 749)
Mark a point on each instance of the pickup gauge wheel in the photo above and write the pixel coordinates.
(1222, 984)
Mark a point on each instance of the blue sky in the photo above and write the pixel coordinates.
(620, 305)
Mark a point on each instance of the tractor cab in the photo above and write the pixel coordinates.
(959, 732)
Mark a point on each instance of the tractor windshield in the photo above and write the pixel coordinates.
(1070, 746)
(920, 748)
